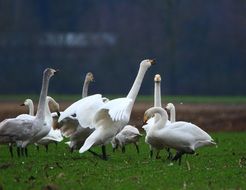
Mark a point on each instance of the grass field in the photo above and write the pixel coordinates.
(223, 167)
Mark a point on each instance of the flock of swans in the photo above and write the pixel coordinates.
(96, 121)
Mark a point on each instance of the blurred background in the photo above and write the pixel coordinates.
(199, 46)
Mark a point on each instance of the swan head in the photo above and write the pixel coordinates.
(50, 72)
(27, 102)
(170, 106)
(157, 78)
(148, 114)
(53, 105)
(114, 143)
(89, 77)
(147, 63)
(152, 111)
(105, 100)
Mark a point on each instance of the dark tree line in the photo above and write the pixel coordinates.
(199, 46)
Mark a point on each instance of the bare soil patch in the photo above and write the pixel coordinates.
(210, 117)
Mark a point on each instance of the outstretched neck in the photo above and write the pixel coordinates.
(31, 108)
(172, 115)
(42, 98)
(157, 98)
(85, 88)
(137, 83)
(157, 94)
(47, 108)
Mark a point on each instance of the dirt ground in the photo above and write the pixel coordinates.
(207, 116)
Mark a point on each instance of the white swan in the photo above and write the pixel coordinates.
(114, 115)
(151, 121)
(171, 108)
(32, 129)
(157, 101)
(70, 126)
(182, 136)
(29, 103)
(54, 135)
(129, 134)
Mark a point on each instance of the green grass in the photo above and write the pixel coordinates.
(174, 99)
(213, 168)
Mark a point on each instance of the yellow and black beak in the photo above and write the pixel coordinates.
(58, 113)
(22, 104)
(145, 119)
(56, 71)
(152, 61)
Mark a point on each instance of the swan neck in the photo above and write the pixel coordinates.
(160, 119)
(137, 83)
(85, 88)
(31, 109)
(157, 94)
(42, 97)
(47, 108)
(172, 115)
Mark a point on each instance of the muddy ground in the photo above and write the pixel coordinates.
(207, 116)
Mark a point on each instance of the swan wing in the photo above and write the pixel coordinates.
(17, 128)
(68, 126)
(87, 110)
(118, 109)
(193, 130)
(71, 110)
(102, 118)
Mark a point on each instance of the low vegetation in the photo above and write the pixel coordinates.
(223, 167)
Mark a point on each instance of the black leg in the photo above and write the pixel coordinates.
(26, 153)
(56, 144)
(11, 150)
(71, 149)
(136, 145)
(158, 155)
(151, 153)
(37, 147)
(170, 156)
(104, 155)
(123, 149)
(116, 147)
(178, 157)
(18, 151)
(94, 153)
(22, 151)
(46, 148)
